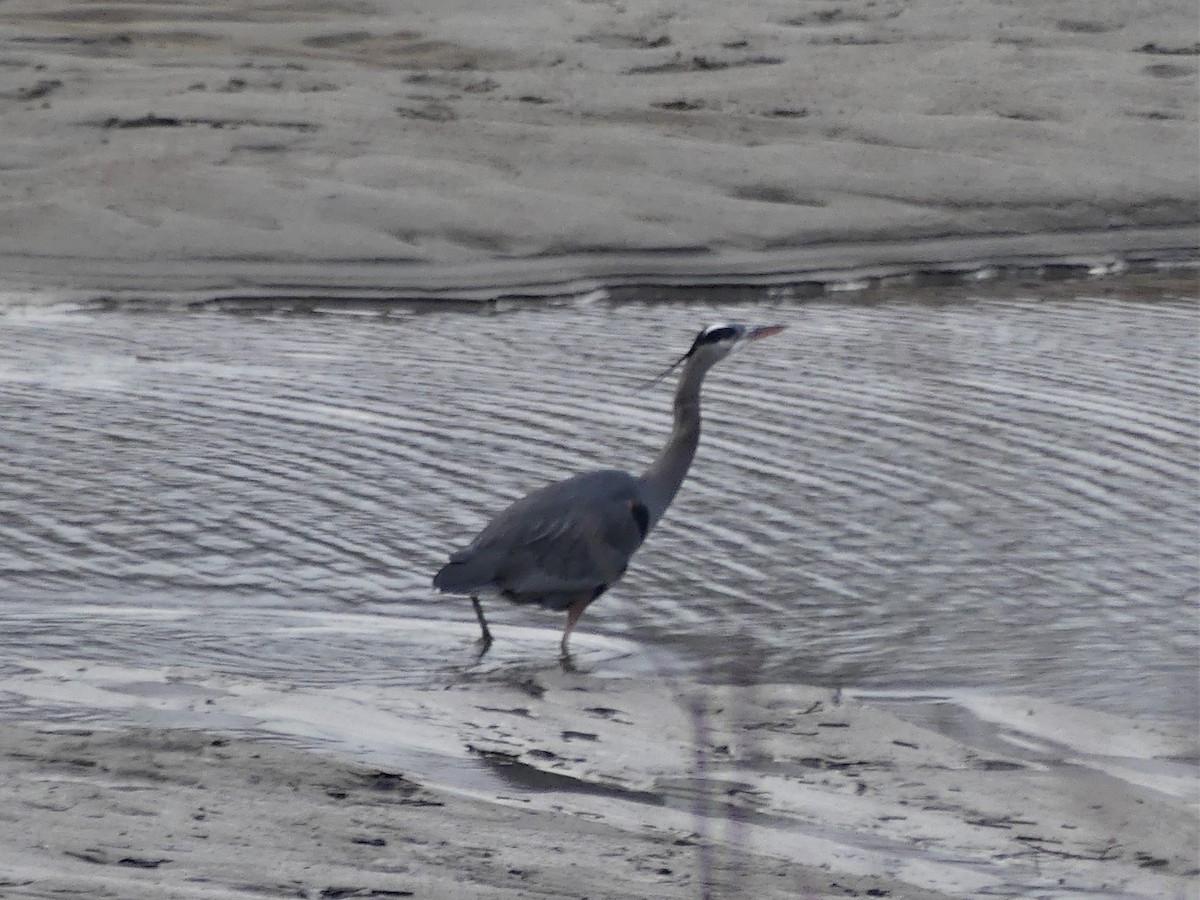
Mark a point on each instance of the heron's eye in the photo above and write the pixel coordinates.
(717, 333)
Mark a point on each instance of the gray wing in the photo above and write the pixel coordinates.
(567, 539)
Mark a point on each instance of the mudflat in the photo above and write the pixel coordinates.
(598, 788)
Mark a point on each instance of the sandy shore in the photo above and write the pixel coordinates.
(591, 787)
(428, 144)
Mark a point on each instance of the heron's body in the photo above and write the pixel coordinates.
(564, 545)
(569, 539)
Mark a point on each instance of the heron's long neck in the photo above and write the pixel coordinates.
(664, 476)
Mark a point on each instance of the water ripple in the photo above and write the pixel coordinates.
(996, 492)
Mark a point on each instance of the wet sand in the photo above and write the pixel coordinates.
(607, 788)
(204, 147)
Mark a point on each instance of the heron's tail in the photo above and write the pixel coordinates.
(464, 573)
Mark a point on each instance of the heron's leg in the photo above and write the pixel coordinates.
(574, 611)
(487, 634)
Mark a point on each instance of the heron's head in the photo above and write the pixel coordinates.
(716, 342)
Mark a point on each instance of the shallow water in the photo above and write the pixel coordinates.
(899, 492)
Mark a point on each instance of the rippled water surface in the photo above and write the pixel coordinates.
(900, 493)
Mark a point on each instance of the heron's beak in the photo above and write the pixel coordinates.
(755, 332)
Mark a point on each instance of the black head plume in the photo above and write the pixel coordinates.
(714, 333)
(665, 372)
(710, 335)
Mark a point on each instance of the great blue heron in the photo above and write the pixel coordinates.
(567, 543)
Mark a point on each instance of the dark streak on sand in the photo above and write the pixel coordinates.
(153, 120)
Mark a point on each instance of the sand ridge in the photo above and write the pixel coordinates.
(450, 134)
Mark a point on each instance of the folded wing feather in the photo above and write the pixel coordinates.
(566, 539)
